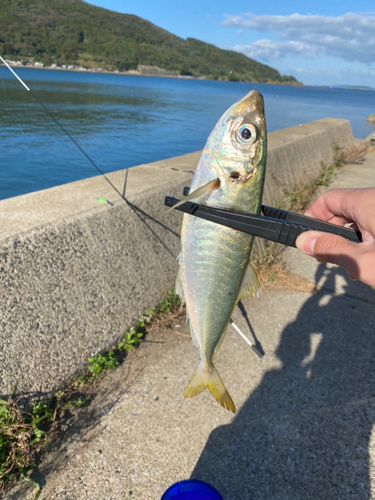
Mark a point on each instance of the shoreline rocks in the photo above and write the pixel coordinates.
(371, 119)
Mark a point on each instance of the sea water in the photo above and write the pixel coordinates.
(122, 120)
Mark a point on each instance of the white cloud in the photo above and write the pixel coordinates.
(350, 36)
(267, 49)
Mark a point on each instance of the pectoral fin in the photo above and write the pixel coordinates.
(210, 186)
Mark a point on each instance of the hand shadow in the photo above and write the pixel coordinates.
(304, 432)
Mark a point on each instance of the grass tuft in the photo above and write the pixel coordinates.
(171, 302)
(20, 434)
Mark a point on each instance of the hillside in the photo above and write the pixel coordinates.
(75, 32)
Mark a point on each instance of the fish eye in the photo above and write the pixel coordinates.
(247, 134)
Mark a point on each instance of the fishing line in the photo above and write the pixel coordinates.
(130, 205)
(15, 74)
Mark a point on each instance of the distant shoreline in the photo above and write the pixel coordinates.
(108, 72)
(159, 74)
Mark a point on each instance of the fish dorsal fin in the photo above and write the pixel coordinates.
(250, 285)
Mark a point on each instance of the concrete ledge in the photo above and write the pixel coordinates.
(75, 274)
(296, 154)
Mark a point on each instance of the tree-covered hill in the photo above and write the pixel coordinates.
(75, 32)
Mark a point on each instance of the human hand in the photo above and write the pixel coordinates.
(342, 206)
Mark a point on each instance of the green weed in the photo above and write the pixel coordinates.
(97, 365)
(75, 403)
(40, 412)
(170, 303)
(131, 339)
(100, 363)
(20, 432)
(273, 276)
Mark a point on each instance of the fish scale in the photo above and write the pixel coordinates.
(222, 263)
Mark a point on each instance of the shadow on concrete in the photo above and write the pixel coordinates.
(304, 432)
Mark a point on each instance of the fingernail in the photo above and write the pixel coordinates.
(306, 243)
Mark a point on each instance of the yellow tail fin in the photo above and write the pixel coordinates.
(209, 378)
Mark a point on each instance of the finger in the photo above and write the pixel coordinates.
(337, 221)
(340, 206)
(334, 219)
(357, 259)
(333, 206)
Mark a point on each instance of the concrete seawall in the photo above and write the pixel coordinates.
(76, 273)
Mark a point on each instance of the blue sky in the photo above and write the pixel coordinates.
(319, 42)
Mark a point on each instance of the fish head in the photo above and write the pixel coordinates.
(236, 153)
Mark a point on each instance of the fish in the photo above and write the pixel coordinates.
(215, 270)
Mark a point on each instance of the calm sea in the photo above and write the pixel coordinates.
(122, 121)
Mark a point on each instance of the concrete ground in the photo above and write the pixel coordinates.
(305, 411)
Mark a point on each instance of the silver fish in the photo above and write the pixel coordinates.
(214, 262)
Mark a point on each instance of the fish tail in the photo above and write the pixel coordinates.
(209, 377)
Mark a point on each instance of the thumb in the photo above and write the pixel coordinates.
(327, 247)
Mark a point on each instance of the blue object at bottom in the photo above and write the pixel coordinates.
(191, 489)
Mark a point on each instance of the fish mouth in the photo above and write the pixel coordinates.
(253, 92)
(252, 101)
